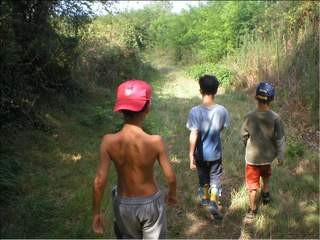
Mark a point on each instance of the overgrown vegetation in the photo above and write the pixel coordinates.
(48, 59)
(39, 42)
(241, 42)
(60, 64)
(247, 42)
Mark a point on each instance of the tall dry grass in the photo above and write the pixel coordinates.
(291, 64)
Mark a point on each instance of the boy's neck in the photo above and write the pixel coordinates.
(263, 107)
(131, 127)
(208, 100)
(134, 123)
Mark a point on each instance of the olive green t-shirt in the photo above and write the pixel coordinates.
(263, 134)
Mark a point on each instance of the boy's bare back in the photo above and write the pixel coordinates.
(134, 153)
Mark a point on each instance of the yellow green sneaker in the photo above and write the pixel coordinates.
(213, 206)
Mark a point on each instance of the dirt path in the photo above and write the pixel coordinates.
(174, 96)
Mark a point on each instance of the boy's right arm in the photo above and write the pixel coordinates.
(192, 146)
(244, 132)
(193, 125)
(99, 185)
(167, 171)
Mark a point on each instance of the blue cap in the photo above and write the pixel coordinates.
(265, 91)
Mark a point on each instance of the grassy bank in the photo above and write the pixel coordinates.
(57, 167)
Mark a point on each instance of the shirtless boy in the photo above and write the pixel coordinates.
(138, 204)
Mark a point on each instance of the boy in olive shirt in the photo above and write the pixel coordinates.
(263, 135)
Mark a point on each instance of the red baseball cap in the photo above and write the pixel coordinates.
(132, 95)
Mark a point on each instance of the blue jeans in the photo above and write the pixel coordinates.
(209, 172)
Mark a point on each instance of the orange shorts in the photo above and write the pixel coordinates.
(253, 174)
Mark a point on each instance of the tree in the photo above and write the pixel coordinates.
(38, 49)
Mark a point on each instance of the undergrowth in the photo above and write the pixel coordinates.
(222, 72)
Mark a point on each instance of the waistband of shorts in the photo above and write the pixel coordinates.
(257, 165)
(138, 200)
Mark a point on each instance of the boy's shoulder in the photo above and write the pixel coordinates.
(275, 115)
(250, 113)
(154, 142)
(195, 108)
(213, 108)
(156, 139)
(269, 114)
(109, 137)
(195, 111)
(221, 107)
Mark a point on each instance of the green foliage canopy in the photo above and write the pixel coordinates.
(39, 42)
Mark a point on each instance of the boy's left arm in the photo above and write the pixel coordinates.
(280, 140)
(226, 120)
(168, 172)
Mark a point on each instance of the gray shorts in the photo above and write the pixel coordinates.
(139, 217)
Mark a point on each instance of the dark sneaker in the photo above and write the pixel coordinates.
(214, 210)
(204, 202)
(265, 197)
(251, 214)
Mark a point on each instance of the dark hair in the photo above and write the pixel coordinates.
(208, 84)
(130, 115)
(262, 101)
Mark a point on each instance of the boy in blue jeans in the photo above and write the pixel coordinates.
(205, 123)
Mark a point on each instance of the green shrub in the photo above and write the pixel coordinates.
(224, 74)
(99, 115)
(295, 150)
